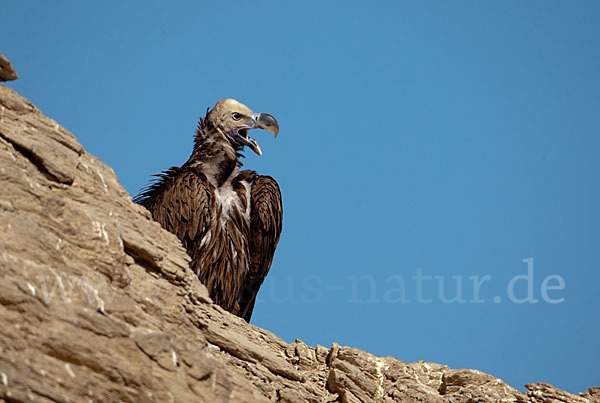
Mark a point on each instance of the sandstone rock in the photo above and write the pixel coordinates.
(546, 393)
(97, 303)
(7, 72)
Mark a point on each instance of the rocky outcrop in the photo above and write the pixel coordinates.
(7, 71)
(97, 304)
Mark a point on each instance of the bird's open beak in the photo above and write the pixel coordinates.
(260, 121)
(267, 122)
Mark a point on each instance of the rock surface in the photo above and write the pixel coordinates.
(7, 71)
(97, 304)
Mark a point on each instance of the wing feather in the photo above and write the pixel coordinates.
(266, 218)
(181, 201)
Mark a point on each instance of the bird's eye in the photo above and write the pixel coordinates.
(236, 116)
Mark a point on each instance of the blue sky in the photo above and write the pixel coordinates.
(450, 139)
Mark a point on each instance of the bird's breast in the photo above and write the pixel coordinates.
(233, 200)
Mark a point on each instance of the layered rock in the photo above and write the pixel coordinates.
(97, 303)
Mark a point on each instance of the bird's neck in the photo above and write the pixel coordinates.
(213, 156)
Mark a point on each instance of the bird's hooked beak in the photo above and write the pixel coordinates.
(261, 121)
(267, 122)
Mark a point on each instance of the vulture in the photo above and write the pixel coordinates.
(228, 219)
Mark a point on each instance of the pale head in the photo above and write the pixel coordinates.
(233, 119)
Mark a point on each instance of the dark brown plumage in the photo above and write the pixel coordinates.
(228, 220)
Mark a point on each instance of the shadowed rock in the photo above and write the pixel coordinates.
(7, 72)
